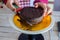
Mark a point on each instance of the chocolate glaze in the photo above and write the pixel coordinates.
(31, 12)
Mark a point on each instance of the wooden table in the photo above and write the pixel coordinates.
(9, 33)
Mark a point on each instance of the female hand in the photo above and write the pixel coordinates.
(47, 10)
(9, 4)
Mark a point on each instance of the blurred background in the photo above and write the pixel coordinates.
(51, 3)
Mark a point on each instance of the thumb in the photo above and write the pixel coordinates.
(36, 5)
(49, 11)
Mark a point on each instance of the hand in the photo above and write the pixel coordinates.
(9, 4)
(47, 10)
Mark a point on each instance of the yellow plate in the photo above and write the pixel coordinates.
(40, 26)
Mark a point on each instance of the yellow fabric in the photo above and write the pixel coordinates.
(40, 26)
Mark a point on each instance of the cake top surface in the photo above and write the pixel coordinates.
(31, 12)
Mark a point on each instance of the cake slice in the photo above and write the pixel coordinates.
(31, 15)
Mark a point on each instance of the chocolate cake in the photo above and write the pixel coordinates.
(29, 13)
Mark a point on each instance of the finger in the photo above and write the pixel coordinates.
(9, 4)
(50, 13)
(36, 5)
(49, 10)
(17, 3)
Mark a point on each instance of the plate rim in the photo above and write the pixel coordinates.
(31, 32)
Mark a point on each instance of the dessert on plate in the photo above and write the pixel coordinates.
(31, 18)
